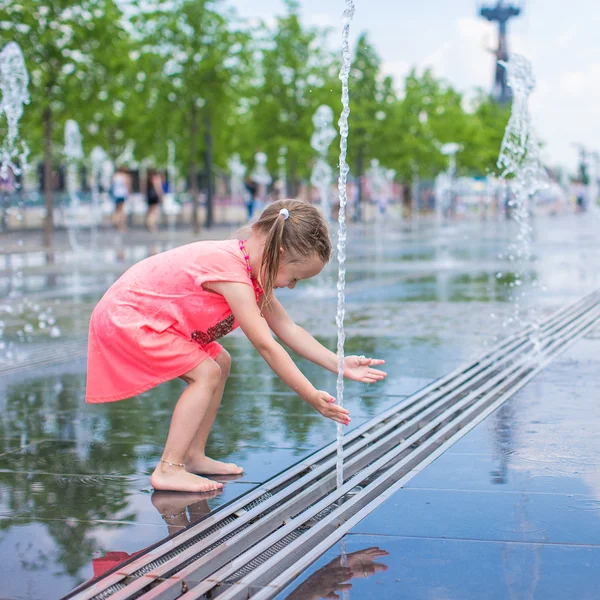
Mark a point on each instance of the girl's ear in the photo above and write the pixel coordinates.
(280, 251)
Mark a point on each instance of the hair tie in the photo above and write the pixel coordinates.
(285, 212)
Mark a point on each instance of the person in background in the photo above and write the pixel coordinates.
(251, 187)
(154, 194)
(120, 188)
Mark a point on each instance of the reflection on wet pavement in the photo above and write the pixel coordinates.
(75, 499)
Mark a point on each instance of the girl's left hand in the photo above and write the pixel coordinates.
(359, 368)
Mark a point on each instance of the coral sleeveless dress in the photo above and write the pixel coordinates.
(157, 322)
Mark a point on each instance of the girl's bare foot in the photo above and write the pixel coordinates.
(207, 466)
(177, 479)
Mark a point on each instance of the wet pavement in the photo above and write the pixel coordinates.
(512, 510)
(74, 493)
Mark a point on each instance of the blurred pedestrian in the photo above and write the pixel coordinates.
(251, 187)
(120, 189)
(154, 194)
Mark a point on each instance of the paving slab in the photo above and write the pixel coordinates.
(512, 510)
(449, 569)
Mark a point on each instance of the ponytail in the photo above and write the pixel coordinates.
(272, 256)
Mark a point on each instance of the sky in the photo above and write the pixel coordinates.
(560, 38)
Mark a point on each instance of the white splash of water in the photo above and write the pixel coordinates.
(341, 245)
(322, 174)
(13, 85)
(74, 154)
(522, 169)
(260, 174)
(97, 158)
(126, 157)
(282, 172)
(592, 188)
(237, 171)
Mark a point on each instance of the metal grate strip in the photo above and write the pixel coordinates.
(165, 558)
(272, 551)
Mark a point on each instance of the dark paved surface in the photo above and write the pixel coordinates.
(74, 492)
(512, 510)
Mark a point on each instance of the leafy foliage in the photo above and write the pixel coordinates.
(191, 72)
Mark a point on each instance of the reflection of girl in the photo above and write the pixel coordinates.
(162, 318)
(330, 578)
(177, 510)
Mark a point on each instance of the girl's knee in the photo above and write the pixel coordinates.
(207, 372)
(224, 361)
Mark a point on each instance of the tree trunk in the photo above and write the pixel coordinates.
(49, 219)
(193, 169)
(208, 158)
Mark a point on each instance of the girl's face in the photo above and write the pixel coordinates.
(291, 272)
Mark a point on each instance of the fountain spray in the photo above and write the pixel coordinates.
(522, 169)
(74, 155)
(14, 80)
(341, 245)
(322, 174)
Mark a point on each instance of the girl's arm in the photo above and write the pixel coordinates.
(242, 302)
(296, 338)
(300, 341)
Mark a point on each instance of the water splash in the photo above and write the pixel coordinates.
(13, 84)
(171, 169)
(341, 245)
(260, 174)
(97, 158)
(282, 172)
(237, 171)
(378, 184)
(126, 157)
(522, 169)
(322, 174)
(591, 161)
(74, 154)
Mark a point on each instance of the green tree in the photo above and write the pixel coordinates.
(64, 44)
(428, 116)
(431, 114)
(372, 100)
(488, 122)
(296, 75)
(204, 58)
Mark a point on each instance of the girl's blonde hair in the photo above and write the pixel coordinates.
(303, 234)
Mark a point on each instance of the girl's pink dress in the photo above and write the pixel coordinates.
(157, 322)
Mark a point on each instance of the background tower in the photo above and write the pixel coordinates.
(501, 12)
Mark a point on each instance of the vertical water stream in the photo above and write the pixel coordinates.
(341, 245)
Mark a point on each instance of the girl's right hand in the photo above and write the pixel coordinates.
(325, 404)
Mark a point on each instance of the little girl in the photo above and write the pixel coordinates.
(162, 318)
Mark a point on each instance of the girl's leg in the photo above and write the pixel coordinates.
(189, 413)
(196, 459)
